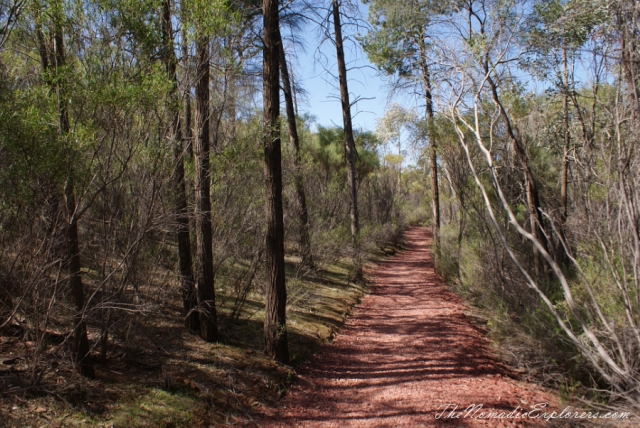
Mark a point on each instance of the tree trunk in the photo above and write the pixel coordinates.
(187, 282)
(204, 249)
(80, 340)
(435, 194)
(349, 143)
(560, 251)
(564, 179)
(533, 200)
(275, 329)
(186, 127)
(627, 21)
(51, 64)
(304, 241)
(232, 101)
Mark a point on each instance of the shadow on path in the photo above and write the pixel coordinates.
(408, 352)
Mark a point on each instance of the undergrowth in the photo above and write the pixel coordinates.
(168, 377)
(522, 330)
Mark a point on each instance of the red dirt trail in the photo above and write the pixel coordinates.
(407, 352)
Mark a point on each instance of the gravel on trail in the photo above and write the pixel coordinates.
(409, 356)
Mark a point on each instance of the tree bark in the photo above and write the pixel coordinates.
(275, 330)
(304, 241)
(349, 143)
(187, 282)
(204, 248)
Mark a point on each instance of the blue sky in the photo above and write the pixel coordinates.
(312, 70)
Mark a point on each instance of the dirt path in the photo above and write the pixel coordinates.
(407, 352)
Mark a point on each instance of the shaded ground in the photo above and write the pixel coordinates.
(156, 373)
(407, 353)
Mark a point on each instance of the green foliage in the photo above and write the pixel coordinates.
(208, 18)
(117, 152)
(557, 26)
(138, 20)
(400, 31)
(32, 165)
(564, 22)
(367, 160)
(327, 149)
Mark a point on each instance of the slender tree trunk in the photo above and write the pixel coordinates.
(628, 20)
(204, 248)
(349, 143)
(232, 101)
(80, 340)
(560, 252)
(533, 200)
(186, 128)
(53, 64)
(564, 180)
(187, 282)
(275, 318)
(304, 241)
(435, 194)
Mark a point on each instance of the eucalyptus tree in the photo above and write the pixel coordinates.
(204, 246)
(393, 129)
(98, 137)
(489, 34)
(627, 21)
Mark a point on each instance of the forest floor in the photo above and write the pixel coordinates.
(157, 374)
(410, 355)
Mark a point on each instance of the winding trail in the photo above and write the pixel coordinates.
(407, 352)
